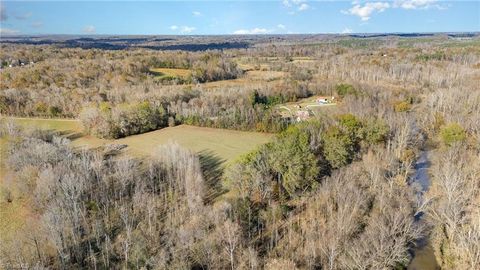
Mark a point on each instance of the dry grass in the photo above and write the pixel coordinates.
(291, 108)
(253, 78)
(171, 72)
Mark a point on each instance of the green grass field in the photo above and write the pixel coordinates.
(226, 144)
(63, 125)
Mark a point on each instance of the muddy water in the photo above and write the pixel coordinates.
(423, 256)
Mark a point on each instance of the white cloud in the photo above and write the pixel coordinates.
(8, 31)
(182, 29)
(414, 4)
(254, 31)
(89, 29)
(187, 29)
(347, 30)
(303, 7)
(369, 8)
(299, 5)
(365, 12)
(281, 26)
(196, 13)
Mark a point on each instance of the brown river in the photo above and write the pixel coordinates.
(423, 256)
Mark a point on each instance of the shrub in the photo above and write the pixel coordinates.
(41, 108)
(351, 124)
(452, 133)
(375, 131)
(345, 89)
(54, 111)
(338, 147)
(402, 106)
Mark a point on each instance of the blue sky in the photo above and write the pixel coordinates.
(237, 17)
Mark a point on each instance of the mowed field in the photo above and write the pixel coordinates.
(226, 144)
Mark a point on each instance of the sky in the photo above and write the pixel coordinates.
(236, 17)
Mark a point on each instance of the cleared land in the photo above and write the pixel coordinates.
(226, 144)
(253, 78)
(290, 109)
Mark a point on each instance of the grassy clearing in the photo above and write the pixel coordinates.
(226, 144)
(171, 72)
(251, 78)
(291, 108)
(63, 125)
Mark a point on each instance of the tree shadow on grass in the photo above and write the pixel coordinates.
(71, 135)
(212, 168)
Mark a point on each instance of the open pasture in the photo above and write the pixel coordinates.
(225, 144)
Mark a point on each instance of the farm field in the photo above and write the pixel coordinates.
(254, 78)
(226, 144)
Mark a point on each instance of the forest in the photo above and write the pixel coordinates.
(342, 189)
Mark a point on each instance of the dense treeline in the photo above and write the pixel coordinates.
(229, 110)
(123, 120)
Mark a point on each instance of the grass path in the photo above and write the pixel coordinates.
(41, 119)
